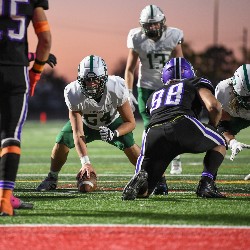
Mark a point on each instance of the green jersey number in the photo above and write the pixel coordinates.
(95, 119)
(161, 62)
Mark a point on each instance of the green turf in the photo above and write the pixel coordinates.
(105, 206)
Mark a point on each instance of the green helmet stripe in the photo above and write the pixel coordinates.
(152, 11)
(91, 63)
(246, 77)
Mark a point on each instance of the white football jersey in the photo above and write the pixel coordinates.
(96, 114)
(153, 55)
(223, 93)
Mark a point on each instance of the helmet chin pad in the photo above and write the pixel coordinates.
(153, 33)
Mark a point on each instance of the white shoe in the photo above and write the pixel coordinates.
(176, 166)
(247, 177)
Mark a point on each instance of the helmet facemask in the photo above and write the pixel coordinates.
(152, 15)
(92, 76)
(153, 33)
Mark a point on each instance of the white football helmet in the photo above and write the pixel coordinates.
(241, 85)
(152, 14)
(92, 68)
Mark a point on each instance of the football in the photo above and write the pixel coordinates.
(86, 185)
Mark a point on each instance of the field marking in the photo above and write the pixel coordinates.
(129, 175)
(126, 225)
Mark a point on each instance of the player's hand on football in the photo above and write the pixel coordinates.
(52, 61)
(34, 78)
(236, 147)
(132, 100)
(86, 168)
(106, 133)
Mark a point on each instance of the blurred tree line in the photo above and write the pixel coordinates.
(216, 63)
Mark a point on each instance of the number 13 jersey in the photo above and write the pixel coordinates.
(153, 55)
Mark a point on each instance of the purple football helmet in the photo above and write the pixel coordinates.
(177, 69)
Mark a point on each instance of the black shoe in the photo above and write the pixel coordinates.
(162, 187)
(208, 189)
(132, 189)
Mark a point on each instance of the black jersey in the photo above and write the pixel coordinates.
(175, 99)
(15, 17)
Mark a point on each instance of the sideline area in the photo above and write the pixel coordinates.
(123, 237)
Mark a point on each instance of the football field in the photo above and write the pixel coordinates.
(181, 209)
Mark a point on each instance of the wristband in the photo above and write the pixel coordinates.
(38, 66)
(84, 160)
(116, 133)
(31, 56)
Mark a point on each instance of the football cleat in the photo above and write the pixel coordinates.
(247, 177)
(5, 214)
(161, 187)
(132, 189)
(208, 189)
(49, 183)
(176, 166)
(19, 204)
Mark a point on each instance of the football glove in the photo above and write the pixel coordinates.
(52, 61)
(132, 100)
(34, 78)
(236, 147)
(107, 134)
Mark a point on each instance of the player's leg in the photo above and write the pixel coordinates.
(132, 153)
(143, 95)
(211, 163)
(150, 166)
(126, 142)
(59, 154)
(13, 106)
(204, 138)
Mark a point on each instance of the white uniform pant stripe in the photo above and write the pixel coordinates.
(207, 132)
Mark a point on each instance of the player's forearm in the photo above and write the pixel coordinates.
(214, 116)
(43, 46)
(228, 136)
(129, 79)
(126, 128)
(80, 145)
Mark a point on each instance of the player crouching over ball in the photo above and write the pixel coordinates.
(86, 179)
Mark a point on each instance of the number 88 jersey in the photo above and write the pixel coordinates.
(175, 99)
